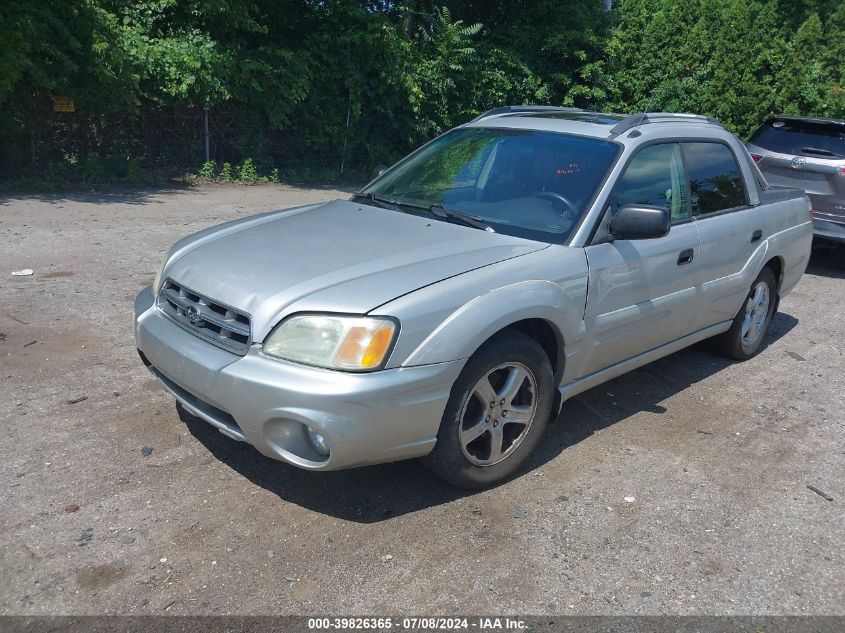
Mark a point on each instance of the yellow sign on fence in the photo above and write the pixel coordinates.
(63, 104)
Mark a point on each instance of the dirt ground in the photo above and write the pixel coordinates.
(717, 456)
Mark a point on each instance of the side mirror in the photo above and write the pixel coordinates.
(379, 170)
(640, 222)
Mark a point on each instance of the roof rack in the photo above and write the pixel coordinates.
(527, 109)
(641, 118)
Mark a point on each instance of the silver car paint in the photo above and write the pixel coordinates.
(335, 257)
(271, 399)
(612, 306)
(639, 297)
(819, 177)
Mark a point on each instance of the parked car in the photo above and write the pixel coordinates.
(808, 154)
(449, 308)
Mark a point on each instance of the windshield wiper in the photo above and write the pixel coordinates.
(437, 209)
(820, 152)
(468, 219)
(378, 201)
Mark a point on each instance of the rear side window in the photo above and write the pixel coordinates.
(802, 138)
(655, 177)
(714, 178)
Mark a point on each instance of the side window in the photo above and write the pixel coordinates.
(714, 177)
(655, 177)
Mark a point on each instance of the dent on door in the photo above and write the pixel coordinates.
(640, 294)
(727, 245)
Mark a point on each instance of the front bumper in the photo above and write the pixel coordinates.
(367, 418)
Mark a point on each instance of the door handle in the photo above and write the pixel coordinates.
(756, 235)
(685, 257)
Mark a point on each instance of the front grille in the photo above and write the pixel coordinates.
(209, 319)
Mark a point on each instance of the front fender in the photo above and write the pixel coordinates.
(468, 327)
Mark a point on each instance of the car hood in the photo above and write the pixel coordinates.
(334, 257)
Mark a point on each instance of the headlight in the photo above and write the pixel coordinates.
(334, 342)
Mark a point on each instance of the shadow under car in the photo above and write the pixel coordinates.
(376, 493)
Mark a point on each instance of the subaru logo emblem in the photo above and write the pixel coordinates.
(193, 313)
(798, 163)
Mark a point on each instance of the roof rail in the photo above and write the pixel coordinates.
(527, 109)
(641, 118)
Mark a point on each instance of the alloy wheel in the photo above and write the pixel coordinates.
(756, 312)
(498, 413)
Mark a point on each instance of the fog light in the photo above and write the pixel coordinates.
(318, 442)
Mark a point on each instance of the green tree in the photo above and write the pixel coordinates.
(737, 60)
(320, 86)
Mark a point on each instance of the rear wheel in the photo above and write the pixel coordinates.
(496, 414)
(745, 337)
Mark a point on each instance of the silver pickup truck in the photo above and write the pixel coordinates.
(449, 308)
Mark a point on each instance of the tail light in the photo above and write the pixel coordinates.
(758, 157)
(842, 171)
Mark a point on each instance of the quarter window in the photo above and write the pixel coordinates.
(714, 178)
(655, 177)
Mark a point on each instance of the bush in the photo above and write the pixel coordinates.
(208, 170)
(247, 171)
(135, 174)
(62, 173)
(95, 170)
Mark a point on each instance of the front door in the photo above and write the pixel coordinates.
(641, 292)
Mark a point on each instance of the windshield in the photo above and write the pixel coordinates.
(525, 183)
(804, 138)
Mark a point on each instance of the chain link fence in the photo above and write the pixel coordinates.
(167, 141)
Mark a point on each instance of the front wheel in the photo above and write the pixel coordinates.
(496, 414)
(745, 337)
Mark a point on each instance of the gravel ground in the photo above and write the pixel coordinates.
(681, 488)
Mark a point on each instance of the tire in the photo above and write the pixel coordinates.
(515, 370)
(745, 337)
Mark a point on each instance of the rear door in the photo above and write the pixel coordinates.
(640, 292)
(809, 155)
(720, 209)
